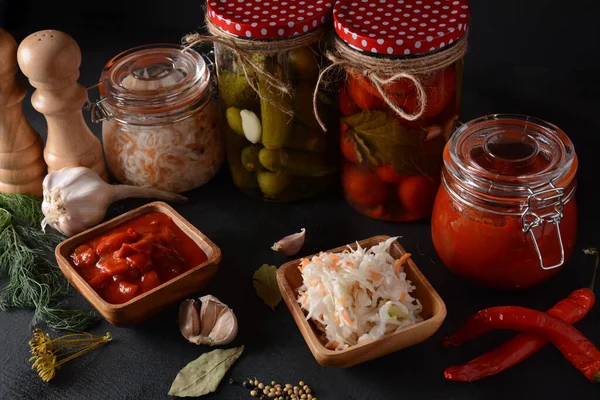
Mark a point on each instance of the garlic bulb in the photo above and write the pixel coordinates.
(211, 323)
(290, 244)
(76, 199)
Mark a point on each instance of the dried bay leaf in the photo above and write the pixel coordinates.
(265, 284)
(203, 375)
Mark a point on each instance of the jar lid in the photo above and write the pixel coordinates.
(508, 158)
(400, 27)
(257, 19)
(154, 78)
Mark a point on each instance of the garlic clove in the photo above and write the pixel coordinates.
(189, 318)
(433, 131)
(212, 322)
(290, 244)
(226, 328)
(251, 126)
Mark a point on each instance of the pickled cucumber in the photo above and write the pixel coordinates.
(306, 139)
(234, 120)
(273, 183)
(304, 188)
(303, 63)
(295, 162)
(241, 177)
(235, 91)
(276, 124)
(250, 159)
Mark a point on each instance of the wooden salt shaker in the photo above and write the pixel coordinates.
(51, 60)
(22, 166)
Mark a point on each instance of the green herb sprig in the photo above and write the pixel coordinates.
(33, 280)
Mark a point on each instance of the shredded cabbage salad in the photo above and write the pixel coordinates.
(357, 295)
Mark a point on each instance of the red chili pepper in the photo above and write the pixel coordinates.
(571, 309)
(573, 344)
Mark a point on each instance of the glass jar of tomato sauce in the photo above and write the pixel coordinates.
(276, 149)
(505, 215)
(391, 165)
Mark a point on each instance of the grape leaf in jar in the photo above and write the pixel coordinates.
(381, 139)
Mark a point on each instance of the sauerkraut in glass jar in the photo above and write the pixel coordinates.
(161, 127)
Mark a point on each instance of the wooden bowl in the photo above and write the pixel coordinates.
(289, 280)
(142, 307)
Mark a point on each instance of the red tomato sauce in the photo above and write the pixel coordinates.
(136, 257)
(492, 249)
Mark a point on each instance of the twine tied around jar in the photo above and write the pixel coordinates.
(384, 71)
(245, 49)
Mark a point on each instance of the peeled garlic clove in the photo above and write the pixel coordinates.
(211, 323)
(251, 126)
(290, 244)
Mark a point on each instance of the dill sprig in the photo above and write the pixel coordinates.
(34, 281)
(48, 354)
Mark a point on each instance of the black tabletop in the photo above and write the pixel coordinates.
(531, 57)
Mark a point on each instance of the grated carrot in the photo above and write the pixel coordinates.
(375, 276)
(400, 262)
(336, 319)
(347, 318)
(403, 296)
(333, 345)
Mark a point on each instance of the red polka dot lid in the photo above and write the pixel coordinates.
(400, 27)
(268, 19)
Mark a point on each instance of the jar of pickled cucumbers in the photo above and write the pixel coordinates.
(505, 216)
(400, 100)
(268, 61)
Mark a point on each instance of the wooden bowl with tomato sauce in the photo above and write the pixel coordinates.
(289, 279)
(133, 266)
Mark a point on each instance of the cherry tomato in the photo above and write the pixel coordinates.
(96, 279)
(112, 243)
(84, 256)
(140, 261)
(146, 244)
(348, 148)
(417, 194)
(118, 292)
(439, 94)
(112, 266)
(386, 173)
(363, 187)
(149, 281)
(364, 99)
(347, 106)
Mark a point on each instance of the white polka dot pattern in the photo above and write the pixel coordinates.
(400, 27)
(268, 19)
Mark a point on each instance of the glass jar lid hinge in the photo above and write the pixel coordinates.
(531, 219)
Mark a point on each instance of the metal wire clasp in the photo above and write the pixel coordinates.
(530, 219)
(97, 111)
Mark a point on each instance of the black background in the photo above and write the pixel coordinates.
(529, 57)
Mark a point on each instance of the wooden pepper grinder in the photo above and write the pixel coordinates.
(51, 60)
(22, 167)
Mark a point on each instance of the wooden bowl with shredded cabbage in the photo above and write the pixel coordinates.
(360, 301)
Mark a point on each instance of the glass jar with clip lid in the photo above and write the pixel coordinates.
(160, 123)
(505, 216)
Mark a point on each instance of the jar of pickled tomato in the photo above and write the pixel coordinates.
(276, 150)
(391, 163)
(505, 216)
